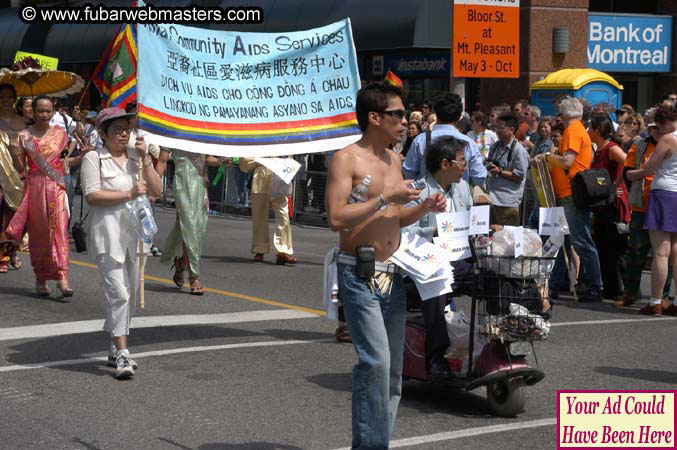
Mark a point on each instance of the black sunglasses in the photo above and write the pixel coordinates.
(399, 113)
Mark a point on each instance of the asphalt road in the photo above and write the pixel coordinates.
(251, 365)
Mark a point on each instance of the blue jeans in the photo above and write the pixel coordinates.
(581, 238)
(376, 325)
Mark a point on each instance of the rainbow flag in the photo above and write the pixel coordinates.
(393, 79)
(115, 75)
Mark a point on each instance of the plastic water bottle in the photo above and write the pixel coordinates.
(359, 193)
(148, 225)
(142, 218)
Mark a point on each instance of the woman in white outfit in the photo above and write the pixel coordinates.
(109, 181)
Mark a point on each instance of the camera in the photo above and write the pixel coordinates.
(418, 185)
(495, 162)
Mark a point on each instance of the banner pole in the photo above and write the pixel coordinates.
(82, 96)
(142, 256)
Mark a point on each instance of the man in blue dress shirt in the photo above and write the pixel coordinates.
(448, 109)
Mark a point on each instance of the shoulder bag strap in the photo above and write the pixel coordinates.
(492, 149)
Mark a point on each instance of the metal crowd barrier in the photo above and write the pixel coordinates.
(231, 195)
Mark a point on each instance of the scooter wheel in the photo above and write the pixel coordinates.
(506, 398)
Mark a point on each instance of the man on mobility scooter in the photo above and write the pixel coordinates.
(445, 160)
(370, 288)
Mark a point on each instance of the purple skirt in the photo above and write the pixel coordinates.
(662, 213)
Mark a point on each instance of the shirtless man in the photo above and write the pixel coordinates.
(375, 308)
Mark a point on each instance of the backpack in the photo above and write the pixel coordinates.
(592, 188)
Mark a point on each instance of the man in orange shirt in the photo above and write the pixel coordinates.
(639, 203)
(575, 155)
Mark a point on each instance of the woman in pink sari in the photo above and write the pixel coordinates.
(44, 208)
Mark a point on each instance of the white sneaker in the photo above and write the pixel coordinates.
(123, 369)
(113, 364)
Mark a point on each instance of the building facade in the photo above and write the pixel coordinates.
(414, 40)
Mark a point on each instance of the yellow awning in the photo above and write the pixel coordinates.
(573, 79)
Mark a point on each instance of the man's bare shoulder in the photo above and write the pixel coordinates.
(346, 156)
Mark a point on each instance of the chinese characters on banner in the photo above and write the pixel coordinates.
(486, 38)
(248, 94)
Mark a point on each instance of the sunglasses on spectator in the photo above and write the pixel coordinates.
(398, 113)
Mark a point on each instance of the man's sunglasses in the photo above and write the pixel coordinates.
(399, 113)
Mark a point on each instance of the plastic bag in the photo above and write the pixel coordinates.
(503, 244)
(458, 329)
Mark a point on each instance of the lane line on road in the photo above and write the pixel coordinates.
(173, 351)
(239, 296)
(90, 326)
(468, 432)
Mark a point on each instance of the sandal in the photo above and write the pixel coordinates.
(178, 273)
(65, 292)
(43, 291)
(195, 290)
(15, 262)
(343, 335)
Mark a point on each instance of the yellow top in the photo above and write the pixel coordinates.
(573, 79)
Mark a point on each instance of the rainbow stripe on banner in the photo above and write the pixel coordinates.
(232, 93)
(291, 132)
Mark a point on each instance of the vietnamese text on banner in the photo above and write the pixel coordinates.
(248, 94)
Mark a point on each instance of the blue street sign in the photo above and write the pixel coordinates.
(627, 43)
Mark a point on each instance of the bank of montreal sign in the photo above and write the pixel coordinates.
(625, 43)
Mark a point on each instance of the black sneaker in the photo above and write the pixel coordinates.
(591, 296)
(581, 289)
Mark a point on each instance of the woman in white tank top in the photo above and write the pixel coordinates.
(661, 218)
